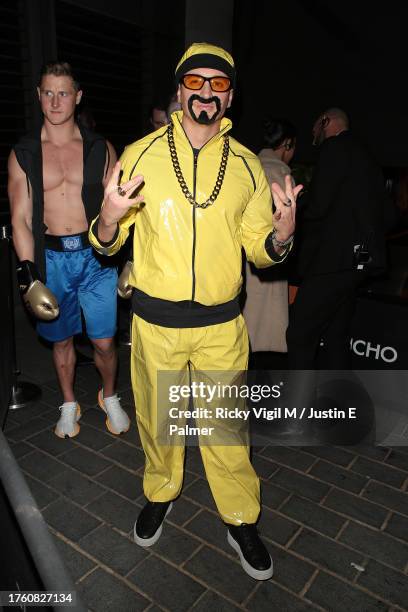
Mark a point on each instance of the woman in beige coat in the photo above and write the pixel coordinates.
(266, 306)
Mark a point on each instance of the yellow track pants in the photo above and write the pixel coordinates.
(223, 347)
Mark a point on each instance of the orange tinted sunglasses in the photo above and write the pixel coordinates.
(196, 82)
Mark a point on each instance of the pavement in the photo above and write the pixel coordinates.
(335, 518)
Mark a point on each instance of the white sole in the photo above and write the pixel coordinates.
(146, 542)
(251, 571)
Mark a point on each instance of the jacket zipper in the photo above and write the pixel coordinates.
(194, 228)
(195, 154)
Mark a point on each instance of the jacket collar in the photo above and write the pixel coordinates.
(177, 118)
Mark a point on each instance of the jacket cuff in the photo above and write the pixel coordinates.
(94, 230)
(270, 249)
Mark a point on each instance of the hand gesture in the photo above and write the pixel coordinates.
(117, 198)
(285, 203)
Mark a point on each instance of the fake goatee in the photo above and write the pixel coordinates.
(204, 118)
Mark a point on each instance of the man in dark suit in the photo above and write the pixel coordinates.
(342, 242)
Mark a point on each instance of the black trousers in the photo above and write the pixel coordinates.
(323, 310)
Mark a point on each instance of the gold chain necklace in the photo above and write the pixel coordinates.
(180, 177)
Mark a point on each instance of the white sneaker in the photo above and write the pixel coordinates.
(117, 420)
(67, 426)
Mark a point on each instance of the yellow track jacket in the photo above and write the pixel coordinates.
(185, 253)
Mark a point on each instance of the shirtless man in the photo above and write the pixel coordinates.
(56, 180)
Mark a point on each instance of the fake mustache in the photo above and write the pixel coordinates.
(206, 101)
(203, 117)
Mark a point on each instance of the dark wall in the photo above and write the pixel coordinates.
(125, 53)
(210, 21)
(109, 64)
(158, 38)
(13, 71)
(297, 57)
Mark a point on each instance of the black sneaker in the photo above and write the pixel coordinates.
(255, 559)
(149, 525)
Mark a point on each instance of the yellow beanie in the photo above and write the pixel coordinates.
(204, 55)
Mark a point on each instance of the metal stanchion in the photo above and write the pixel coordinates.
(22, 393)
(32, 543)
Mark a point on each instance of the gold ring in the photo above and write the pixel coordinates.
(121, 191)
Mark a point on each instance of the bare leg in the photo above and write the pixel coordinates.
(64, 360)
(106, 361)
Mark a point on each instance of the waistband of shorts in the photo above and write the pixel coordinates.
(67, 244)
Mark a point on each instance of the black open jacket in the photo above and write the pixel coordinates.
(29, 155)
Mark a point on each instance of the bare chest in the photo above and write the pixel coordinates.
(62, 165)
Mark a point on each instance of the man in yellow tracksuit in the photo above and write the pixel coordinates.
(196, 197)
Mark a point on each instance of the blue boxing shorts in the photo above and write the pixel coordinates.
(78, 281)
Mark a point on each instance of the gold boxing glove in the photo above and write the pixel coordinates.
(124, 289)
(40, 301)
